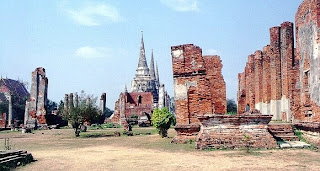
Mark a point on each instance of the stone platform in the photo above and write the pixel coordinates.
(186, 133)
(238, 131)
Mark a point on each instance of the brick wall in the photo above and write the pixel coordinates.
(290, 77)
(308, 47)
(199, 88)
(213, 66)
(129, 104)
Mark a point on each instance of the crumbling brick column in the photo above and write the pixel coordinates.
(266, 74)
(241, 95)
(103, 100)
(195, 78)
(275, 60)
(258, 79)
(250, 81)
(307, 21)
(38, 98)
(287, 59)
(213, 66)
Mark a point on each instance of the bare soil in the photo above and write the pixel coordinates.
(60, 150)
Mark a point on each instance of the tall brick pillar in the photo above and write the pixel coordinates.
(258, 71)
(217, 84)
(37, 102)
(275, 60)
(287, 59)
(251, 82)
(307, 22)
(191, 90)
(266, 80)
(241, 96)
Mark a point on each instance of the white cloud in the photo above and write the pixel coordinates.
(212, 51)
(182, 5)
(94, 14)
(88, 52)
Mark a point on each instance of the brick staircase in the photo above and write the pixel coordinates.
(282, 132)
(12, 159)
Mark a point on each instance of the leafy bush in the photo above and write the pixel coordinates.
(231, 106)
(85, 111)
(110, 125)
(162, 119)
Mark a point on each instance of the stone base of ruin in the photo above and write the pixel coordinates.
(186, 133)
(239, 131)
(311, 131)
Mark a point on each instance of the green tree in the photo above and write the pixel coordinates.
(162, 119)
(231, 106)
(86, 111)
(51, 105)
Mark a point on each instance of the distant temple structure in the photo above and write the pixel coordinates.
(147, 93)
(36, 105)
(12, 96)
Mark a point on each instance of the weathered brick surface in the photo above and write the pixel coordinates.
(129, 104)
(224, 131)
(3, 120)
(241, 95)
(275, 63)
(272, 68)
(258, 75)
(36, 104)
(308, 48)
(266, 75)
(290, 77)
(287, 56)
(198, 86)
(213, 66)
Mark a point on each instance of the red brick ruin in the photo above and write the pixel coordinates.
(200, 103)
(279, 81)
(282, 80)
(35, 112)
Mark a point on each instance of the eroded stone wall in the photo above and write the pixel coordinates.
(199, 88)
(36, 105)
(130, 104)
(308, 48)
(238, 131)
(290, 77)
(266, 81)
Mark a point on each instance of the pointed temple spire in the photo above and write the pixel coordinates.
(157, 73)
(152, 72)
(125, 89)
(142, 65)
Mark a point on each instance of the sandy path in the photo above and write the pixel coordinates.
(122, 158)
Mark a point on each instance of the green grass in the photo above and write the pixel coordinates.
(299, 134)
(108, 132)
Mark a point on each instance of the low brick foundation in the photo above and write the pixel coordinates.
(223, 131)
(311, 131)
(185, 133)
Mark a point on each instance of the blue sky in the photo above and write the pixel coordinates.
(94, 45)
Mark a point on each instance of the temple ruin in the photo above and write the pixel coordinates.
(195, 81)
(282, 80)
(12, 95)
(35, 112)
(147, 93)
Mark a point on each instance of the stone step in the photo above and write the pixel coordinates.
(11, 152)
(294, 144)
(13, 159)
(282, 132)
(8, 157)
(288, 137)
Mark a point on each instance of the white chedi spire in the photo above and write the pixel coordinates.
(142, 64)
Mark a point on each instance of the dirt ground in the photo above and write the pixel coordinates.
(60, 150)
